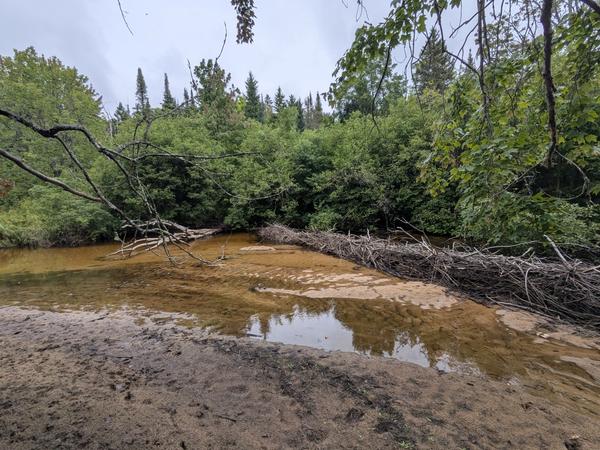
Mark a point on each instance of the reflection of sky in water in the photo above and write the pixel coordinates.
(325, 331)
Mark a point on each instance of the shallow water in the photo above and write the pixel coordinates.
(289, 295)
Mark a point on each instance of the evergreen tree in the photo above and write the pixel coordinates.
(267, 109)
(121, 114)
(279, 100)
(142, 104)
(465, 70)
(435, 69)
(214, 90)
(168, 100)
(308, 111)
(301, 123)
(252, 108)
(186, 97)
(318, 114)
(292, 101)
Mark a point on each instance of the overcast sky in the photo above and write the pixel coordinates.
(296, 43)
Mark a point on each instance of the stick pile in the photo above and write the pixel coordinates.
(563, 288)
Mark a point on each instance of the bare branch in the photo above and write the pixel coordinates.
(19, 162)
(123, 16)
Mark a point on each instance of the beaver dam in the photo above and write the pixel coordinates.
(131, 328)
(562, 288)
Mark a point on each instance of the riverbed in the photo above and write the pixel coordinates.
(260, 295)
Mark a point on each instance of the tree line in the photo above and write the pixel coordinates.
(215, 86)
(460, 147)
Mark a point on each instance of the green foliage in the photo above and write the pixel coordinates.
(52, 217)
(279, 100)
(47, 92)
(215, 96)
(122, 113)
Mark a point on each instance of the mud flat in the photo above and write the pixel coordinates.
(99, 380)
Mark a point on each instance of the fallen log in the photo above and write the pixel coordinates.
(564, 288)
(180, 239)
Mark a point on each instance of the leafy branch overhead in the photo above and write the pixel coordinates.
(491, 28)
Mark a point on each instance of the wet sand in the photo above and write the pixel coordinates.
(91, 380)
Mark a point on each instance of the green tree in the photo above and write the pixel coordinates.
(301, 124)
(47, 92)
(308, 111)
(267, 109)
(142, 104)
(215, 96)
(435, 68)
(168, 102)
(122, 113)
(318, 113)
(252, 107)
(214, 89)
(279, 100)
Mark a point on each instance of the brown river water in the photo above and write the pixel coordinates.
(294, 296)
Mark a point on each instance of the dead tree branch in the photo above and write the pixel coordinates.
(56, 182)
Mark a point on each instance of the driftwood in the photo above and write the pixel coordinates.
(166, 234)
(563, 288)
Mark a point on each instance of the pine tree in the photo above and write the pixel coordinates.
(308, 111)
(121, 114)
(318, 114)
(213, 91)
(261, 113)
(168, 100)
(470, 62)
(142, 104)
(252, 108)
(435, 69)
(301, 123)
(186, 97)
(268, 109)
(279, 100)
(292, 101)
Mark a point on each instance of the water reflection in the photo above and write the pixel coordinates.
(325, 331)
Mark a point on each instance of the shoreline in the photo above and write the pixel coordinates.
(83, 379)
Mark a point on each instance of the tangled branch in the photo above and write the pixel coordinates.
(563, 288)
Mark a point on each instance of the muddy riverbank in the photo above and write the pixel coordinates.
(88, 380)
(134, 353)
